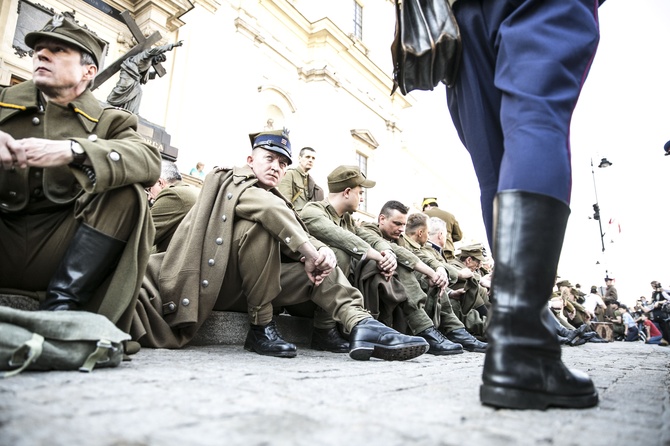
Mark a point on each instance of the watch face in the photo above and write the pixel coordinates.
(76, 148)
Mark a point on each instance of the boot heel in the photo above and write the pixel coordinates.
(361, 352)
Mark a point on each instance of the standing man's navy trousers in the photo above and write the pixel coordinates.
(524, 63)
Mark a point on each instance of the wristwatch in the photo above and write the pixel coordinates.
(78, 154)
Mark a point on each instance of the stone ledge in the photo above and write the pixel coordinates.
(226, 328)
(222, 327)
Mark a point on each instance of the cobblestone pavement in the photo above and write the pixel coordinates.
(223, 395)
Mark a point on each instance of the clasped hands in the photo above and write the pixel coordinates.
(319, 266)
(33, 152)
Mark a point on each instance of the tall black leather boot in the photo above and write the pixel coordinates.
(86, 264)
(523, 367)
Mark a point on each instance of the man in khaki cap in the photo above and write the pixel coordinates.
(331, 221)
(74, 219)
(243, 248)
(469, 299)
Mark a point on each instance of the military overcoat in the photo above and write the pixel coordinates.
(183, 284)
(119, 157)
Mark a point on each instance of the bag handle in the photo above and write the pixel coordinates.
(99, 356)
(25, 355)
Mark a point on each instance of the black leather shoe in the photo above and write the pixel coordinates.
(265, 340)
(439, 345)
(577, 341)
(370, 338)
(469, 342)
(330, 340)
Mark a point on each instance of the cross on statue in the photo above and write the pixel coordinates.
(143, 43)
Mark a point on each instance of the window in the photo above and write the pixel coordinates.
(358, 20)
(362, 162)
(31, 18)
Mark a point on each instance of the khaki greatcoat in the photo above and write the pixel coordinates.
(119, 157)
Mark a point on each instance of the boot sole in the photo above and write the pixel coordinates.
(475, 350)
(275, 354)
(508, 398)
(444, 352)
(334, 350)
(400, 352)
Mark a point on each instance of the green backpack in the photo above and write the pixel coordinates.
(61, 340)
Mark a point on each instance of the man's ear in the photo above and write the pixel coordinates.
(90, 72)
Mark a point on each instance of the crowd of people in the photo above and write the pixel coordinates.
(647, 321)
(78, 233)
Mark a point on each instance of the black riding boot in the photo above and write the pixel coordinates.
(523, 367)
(86, 264)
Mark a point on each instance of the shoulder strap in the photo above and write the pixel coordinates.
(25, 354)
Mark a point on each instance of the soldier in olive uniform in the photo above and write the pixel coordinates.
(172, 199)
(298, 186)
(331, 221)
(416, 239)
(454, 233)
(243, 248)
(468, 298)
(74, 215)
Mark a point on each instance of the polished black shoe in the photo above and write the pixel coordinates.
(438, 344)
(577, 341)
(469, 342)
(265, 340)
(370, 338)
(329, 340)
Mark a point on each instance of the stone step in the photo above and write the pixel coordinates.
(226, 328)
(222, 327)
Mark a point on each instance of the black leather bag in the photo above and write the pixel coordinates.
(427, 45)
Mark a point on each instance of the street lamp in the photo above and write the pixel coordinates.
(596, 207)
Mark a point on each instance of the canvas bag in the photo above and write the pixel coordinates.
(57, 340)
(426, 49)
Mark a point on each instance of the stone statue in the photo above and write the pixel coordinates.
(135, 71)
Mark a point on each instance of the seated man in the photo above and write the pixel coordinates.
(616, 319)
(417, 236)
(468, 298)
(331, 221)
(172, 199)
(652, 334)
(453, 229)
(243, 248)
(573, 311)
(75, 223)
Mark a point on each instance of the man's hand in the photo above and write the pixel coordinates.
(456, 294)
(387, 264)
(33, 152)
(7, 156)
(465, 274)
(319, 266)
(486, 281)
(439, 279)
